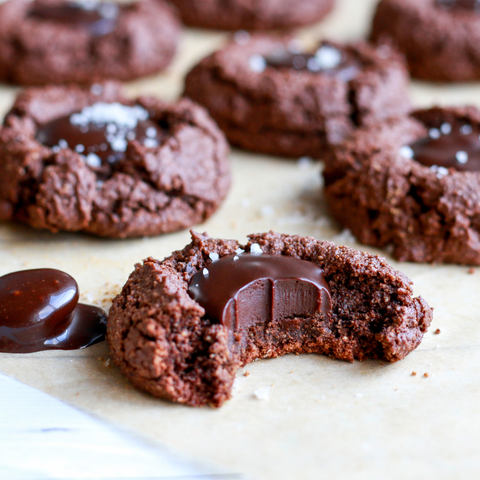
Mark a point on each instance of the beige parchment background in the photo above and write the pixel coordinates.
(324, 418)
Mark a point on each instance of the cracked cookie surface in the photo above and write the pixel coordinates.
(290, 112)
(388, 200)
(440, 43)
(165, 344)
(178, 182)
(39, 51)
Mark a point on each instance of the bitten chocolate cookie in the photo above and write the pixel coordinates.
(412, 185)
(182, 327)
(269, 96)
(252, 15)
(440, 38)
(90, 160)
(84, 41)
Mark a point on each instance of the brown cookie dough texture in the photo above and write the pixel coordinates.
(440, 44)
(389, 201)
(151, 191)
(165, 345)
(252, 14)
(296, 113)
(38, 52)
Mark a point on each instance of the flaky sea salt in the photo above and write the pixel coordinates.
(466, 129)
(239, 251)
(462, 157)
(93, 160)
(205, 272)
(262, 393)
(446, 128)
(434, 133)
(328, 57)
(406, 152)
(440, 171)
(214, 256)
(255, 249)
(257, 63)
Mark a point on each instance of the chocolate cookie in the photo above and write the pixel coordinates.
(84, 41)
(252, 15)
(269, 96)
(413, 185)
(440, 38)
(90, 160)
(182, 327)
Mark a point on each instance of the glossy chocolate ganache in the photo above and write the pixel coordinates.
(101, 132)
(326, 60)
(448, 147)
(39, 310)
(246, 289)
(98, 18)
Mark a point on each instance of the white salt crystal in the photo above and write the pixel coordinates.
(255, 249)
(262, 393)
(257, 63)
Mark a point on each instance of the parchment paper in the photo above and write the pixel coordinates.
(323, 418)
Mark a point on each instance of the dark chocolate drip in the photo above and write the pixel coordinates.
(468, 5)
(39, 311)
(326, 60)
(99, 18)
(101, 132)
(239, 291)
(457, 150)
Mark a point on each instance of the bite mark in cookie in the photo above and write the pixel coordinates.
(342, 303)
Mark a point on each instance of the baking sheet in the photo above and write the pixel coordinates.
(303, 417)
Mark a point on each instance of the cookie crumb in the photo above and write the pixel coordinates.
(414, 374)
(471, 271)
(426, 374)
(438, 331)
(246, 374)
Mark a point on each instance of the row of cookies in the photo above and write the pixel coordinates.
(51, 41)
(91, 160)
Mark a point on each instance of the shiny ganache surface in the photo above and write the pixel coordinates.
(39, 310)
(472, 5)
(101, 132)
(458, 149)
(98, 18)
(327, 60)
(242, 290)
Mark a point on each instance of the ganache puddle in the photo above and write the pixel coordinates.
(446, 147)
(101, 132)
(39, 310)
(327, 60)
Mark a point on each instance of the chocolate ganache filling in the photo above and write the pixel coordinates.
(468, 5)
(39, 310)
(448, 147)
(101, 132)
(99, 18)
(327, 60)
(243, 290)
